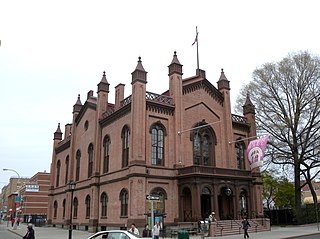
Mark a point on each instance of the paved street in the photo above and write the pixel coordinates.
(309, 231)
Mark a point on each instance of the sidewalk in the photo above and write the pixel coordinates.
(275, 233)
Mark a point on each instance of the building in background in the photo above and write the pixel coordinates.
(8, 196)
(183, 146)
(34, 198)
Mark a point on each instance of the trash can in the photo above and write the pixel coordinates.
(183, 234)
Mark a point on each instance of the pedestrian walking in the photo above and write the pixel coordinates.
(245, 226)
(30, 232)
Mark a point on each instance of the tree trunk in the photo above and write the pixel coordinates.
(297, 189)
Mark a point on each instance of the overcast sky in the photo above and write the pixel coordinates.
(51, 51)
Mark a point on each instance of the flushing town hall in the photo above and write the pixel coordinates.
(182, 146)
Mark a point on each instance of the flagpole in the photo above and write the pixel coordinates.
(239, 140)
(197, 49)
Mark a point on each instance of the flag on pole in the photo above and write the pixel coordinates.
(195, 40)
(255, 151)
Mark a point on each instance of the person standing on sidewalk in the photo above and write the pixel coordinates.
(156, 231)
(245, 226)
(30, 232)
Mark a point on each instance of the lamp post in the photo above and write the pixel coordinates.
(18, 182)
(72, 186)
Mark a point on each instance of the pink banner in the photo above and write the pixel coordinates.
(255, 151)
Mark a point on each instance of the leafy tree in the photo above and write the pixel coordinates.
(285, 194)
(270, 188)
(286, 96)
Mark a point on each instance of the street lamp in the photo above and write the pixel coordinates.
(72, 186)
(18, 182)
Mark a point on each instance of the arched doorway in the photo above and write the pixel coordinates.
(225, 200)
(187, 204)
(205, 199)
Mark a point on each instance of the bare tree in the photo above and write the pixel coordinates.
(286, 96)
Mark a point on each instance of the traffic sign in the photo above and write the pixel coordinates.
(152, 197)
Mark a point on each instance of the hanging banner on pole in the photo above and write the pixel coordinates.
(255, 151)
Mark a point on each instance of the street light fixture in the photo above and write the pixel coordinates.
(18, 182)
(72, 186)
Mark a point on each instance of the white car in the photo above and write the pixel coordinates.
(115, 234)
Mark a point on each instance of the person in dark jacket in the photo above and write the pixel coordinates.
(245, 226)
(30, 232)
(146, 231)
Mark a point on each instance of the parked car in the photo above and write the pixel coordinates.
(114, 234)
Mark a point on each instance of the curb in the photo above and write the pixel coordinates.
(14, 232)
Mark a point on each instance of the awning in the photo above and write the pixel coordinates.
(309, 200)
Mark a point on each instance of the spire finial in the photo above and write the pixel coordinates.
(139, 59)
(222, 70)
(175, 53)
(104, 73)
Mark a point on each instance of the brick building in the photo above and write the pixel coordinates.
(8, 194)
(34, 198)
(177, 145)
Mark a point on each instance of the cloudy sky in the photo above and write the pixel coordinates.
(51, 51)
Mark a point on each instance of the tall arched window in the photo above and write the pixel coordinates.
(243, 202)
(58, 173)
(240, 152)
(78, 157)
(64, 208)
(90, 160)
(55, 209)
(106, 144)
(125, 135)
(87, 202)
(203, 143)
(124, 198)
(104, 204)
(75, 207)
(157, 145)
(67, 170)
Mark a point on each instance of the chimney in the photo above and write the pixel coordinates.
(67, 131)
(90, 94)
(119, 95)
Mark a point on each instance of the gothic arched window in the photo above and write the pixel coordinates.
(125, 135)
(104, 204)
(203, 143)
(58, 173)
(75, 207)
(67, 170)
(55, 209)
(240, 154)
(106, 145)
(124, 198)
(87, 202)
(157, 145)
(78, 157)
(90, 160)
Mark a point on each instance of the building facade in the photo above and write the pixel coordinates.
(34, 198)
(8, 197)
(183, 146)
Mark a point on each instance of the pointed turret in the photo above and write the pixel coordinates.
(223, 82)
(175, 66)
(138, 111)
(139, 74)
(78, 105)
(58, 134)
(248, 107)
(103, 93)
(103, 85)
